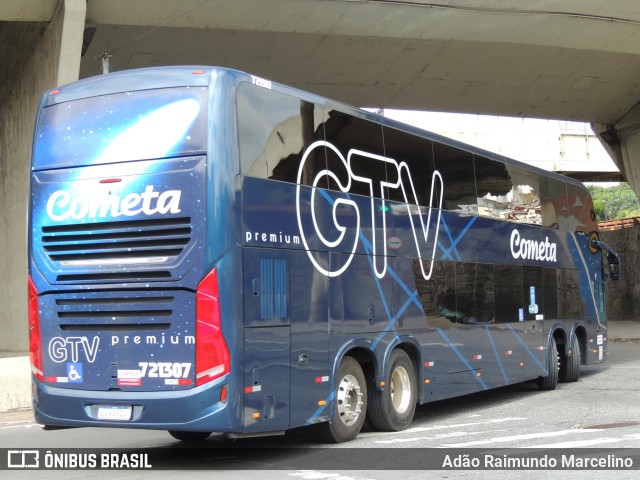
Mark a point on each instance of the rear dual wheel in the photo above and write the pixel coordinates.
(392, 409)
(550, 381)
(570, 369)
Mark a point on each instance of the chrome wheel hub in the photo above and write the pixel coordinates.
(400, 390)
(349, 399)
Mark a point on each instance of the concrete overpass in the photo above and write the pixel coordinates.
(568, 59)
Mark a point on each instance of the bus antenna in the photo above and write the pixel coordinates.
(106, 66)
(105, 56)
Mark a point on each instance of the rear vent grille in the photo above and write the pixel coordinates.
(102, 248)
(118, 276)
(117, 313)
(139, 240)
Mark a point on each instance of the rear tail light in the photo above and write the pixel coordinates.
(35, 339)
(212, 354)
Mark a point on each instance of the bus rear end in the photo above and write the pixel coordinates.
(124, 311)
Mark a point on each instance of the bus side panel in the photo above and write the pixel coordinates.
(266, 339)
(266, 390)
(310, 366)
(282, 288)
(360, 301)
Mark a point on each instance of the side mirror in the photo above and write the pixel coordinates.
(614, 267)
(613, 260)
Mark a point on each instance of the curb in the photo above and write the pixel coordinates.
(16, 384)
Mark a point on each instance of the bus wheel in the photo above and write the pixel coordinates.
(550, 381)
(392, 409)
(349, 403)
(189, 436)
(571, 372)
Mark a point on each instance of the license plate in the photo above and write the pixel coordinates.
(114, 412)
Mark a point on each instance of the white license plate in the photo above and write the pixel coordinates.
(114, 412)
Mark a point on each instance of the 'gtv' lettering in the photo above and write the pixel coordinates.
(61, 349)
(398, 176)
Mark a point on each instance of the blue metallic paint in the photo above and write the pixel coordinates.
(327, 317)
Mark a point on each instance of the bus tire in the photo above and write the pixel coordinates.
(392, 409)
(349, 404)
(571, 372)
(189, 436)
(550, 381)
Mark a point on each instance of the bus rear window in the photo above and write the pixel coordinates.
(120, 127)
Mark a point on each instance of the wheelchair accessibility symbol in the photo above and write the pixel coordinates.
(74, 372)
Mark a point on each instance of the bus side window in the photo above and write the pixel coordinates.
(508, 293)
(459, 184)
(569, 299)
(417, 153)
(525, 196)
(493, 187)
(550, 293)
(274, 131)
(553, 203)
(438, 294)
(533, 292)
(346, 133)
(475, 293)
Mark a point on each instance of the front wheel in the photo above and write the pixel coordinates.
(392, 409)
(550, 381)
(349, 403)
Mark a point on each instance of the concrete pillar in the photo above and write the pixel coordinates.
(72, 17)
(622, 142)
(34, 56)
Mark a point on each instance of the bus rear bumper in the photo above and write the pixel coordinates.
(196, 409)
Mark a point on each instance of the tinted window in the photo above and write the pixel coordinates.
(417, 153)
(457, 293)
(569, 300)
(553, 202)
(274, 132)
(508, 292)
(438, 294)
(550, 293)
(456, 168)
(493, 187)
(533, 292)
(359, 142)
(524, 196)
(138, 125)
(475, 293)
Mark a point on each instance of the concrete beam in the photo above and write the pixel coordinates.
(566, 59)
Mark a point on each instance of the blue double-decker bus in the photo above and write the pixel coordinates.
(213, 252)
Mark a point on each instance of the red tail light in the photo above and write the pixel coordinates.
(212, 354)
(35, 339)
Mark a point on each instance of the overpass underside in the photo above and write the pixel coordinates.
(566, 59)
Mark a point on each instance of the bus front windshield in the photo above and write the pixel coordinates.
(136, 125)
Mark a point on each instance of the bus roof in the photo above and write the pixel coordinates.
(197, 75)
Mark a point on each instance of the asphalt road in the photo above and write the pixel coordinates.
(602, 410)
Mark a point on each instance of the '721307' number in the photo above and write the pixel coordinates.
(164, 369)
